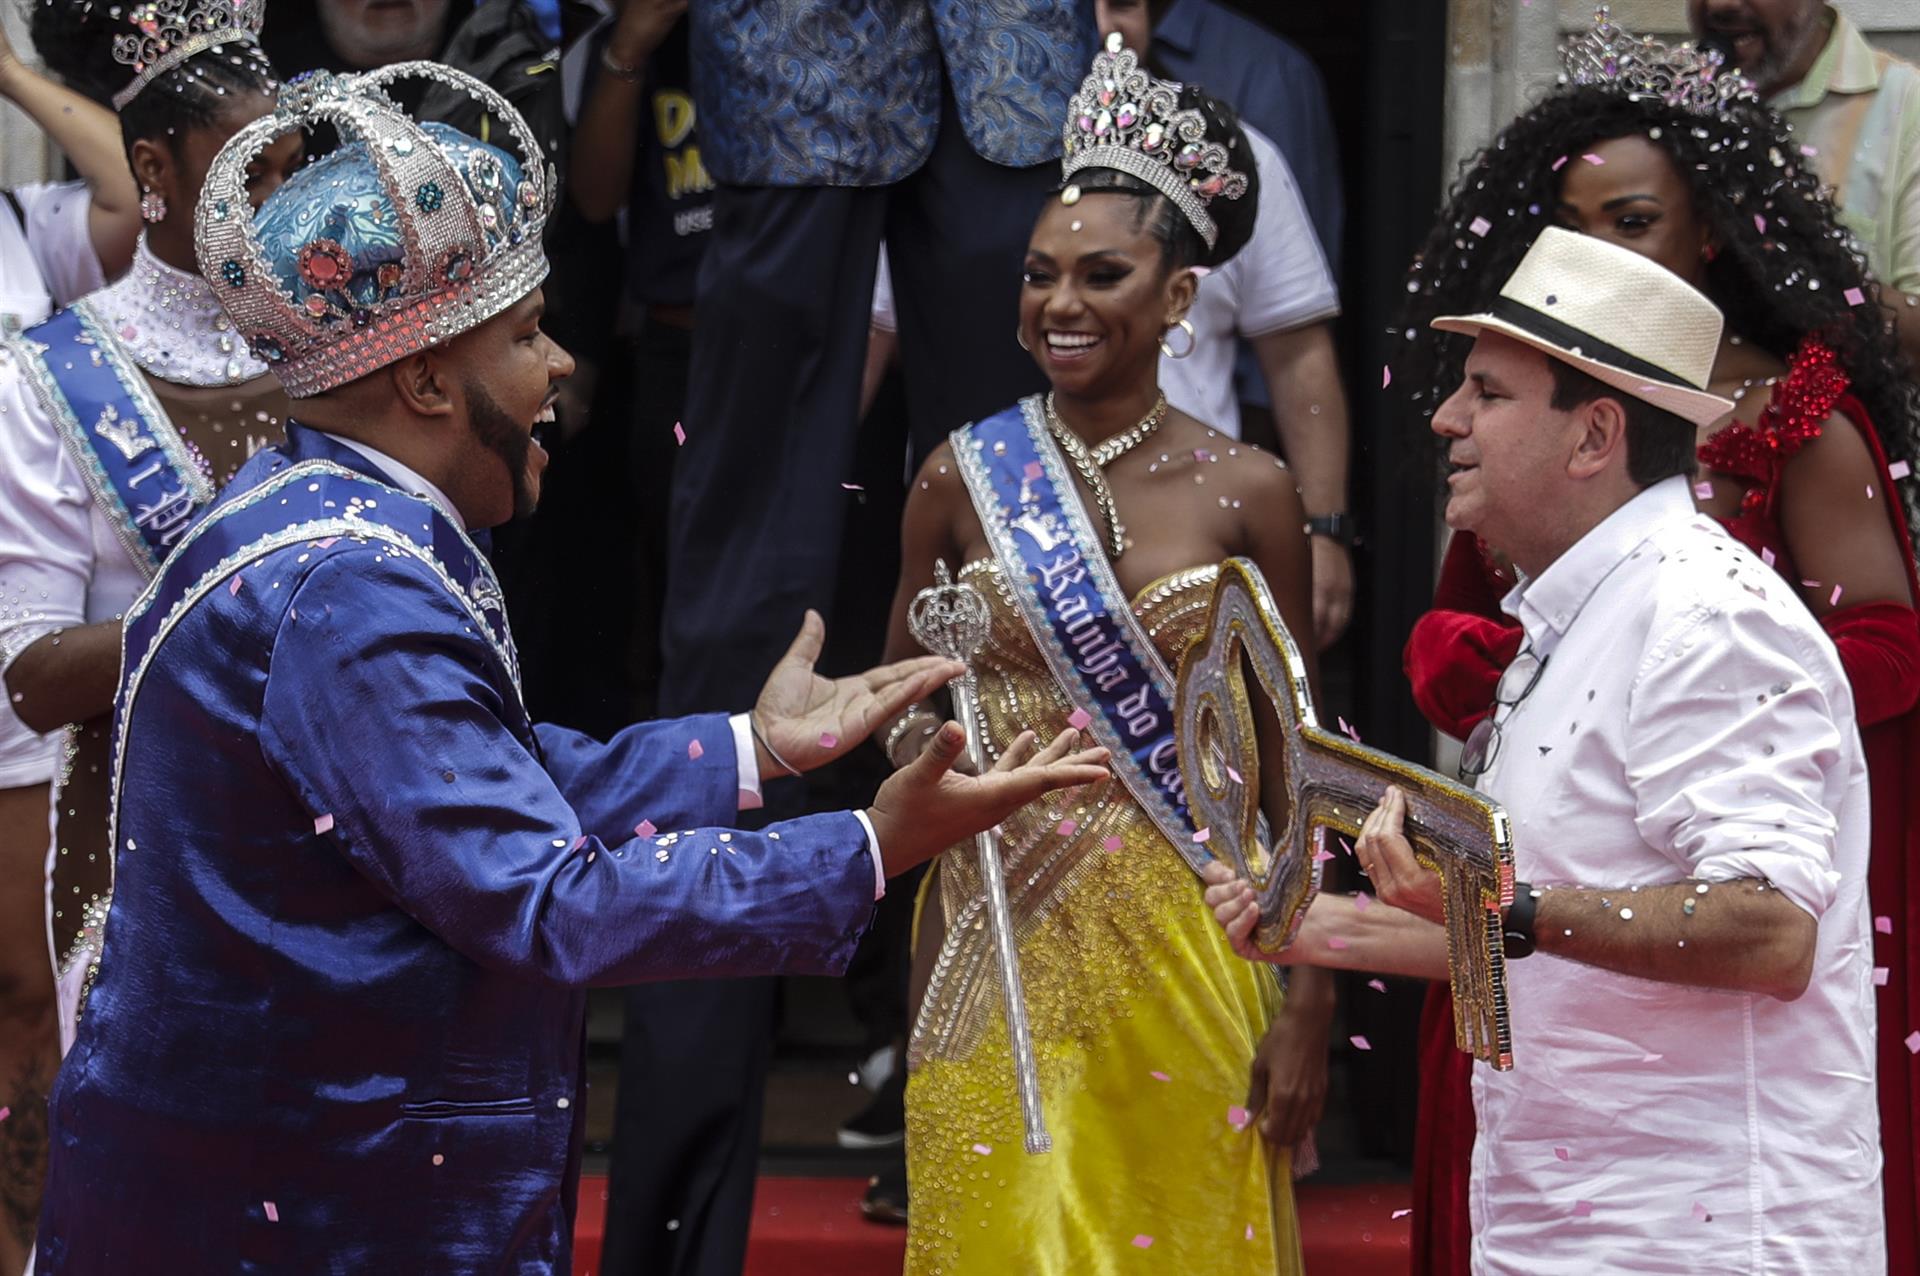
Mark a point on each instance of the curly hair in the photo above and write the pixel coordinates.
(75, 39)
(1783, 272)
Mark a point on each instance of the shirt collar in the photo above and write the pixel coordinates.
(1846, 65)
(1547, 605)
(407, 480)
(1179, 27)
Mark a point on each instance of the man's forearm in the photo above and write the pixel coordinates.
(69, 676)
(1742, 935)
(1310, 413)
(1340, 934)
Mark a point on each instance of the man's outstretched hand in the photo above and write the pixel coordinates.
(927, 806)
(810, 720)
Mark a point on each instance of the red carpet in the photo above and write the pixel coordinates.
(812, 1227)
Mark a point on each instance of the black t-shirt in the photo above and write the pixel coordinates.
(670, 207)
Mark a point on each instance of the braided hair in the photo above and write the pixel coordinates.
(1783, 272)
(1180, 243)
(75, 39)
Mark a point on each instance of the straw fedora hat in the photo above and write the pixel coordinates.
(1614, 315)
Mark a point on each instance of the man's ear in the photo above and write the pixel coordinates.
(425, 384)
(1600, 437)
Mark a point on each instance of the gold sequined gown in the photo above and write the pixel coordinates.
(1144, 1023)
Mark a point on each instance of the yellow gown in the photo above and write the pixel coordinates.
(1144, 1022)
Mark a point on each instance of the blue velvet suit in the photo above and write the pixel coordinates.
(337, 1024)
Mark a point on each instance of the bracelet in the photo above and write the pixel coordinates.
(900, 730)
(753, 725)
(632, 75)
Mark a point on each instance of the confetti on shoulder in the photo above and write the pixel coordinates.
(323, 824)
(696, 750)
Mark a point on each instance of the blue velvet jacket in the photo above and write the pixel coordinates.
(337, 1025)
(847, 92)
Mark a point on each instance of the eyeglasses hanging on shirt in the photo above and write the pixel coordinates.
(1483, 742)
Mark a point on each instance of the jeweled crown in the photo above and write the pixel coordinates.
(406, 236)
(1684, 75)
(1123, 118)
(168, 32)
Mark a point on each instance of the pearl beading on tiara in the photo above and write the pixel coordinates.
(171, 31)
(471, 245)
(1682, 75)
(1122, 118)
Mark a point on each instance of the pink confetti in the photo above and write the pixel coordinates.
(1880, 975)
(1583, 1209)
(1593, 159)
(828, 740)
(1401, 1213)
(1359, 1042)
(1143, 1241)
(1068, 828)
(1651, 1057)
(1562, 1154)
(679, 434)
(1234, 776)
(1249, 1231)
(1378, 985)
(982, 1149)
(1703, 490)
(1201, 454)
(1883, 924)
(853, 487)
(1898, 469)
(1336, 943)
(645, 828)
(1480, 227)
(1112, 845)
(273, 1211)
(1160, 1076)
(327, 543)
(1766, 555)
(1810, 584)
(1034, 469)
(1348, 731)
(1203, 836)
(1079, 719)
(1386, 377)
(1869, 491)
(1760, 223)
(1913, 1042)
(1560, 163)
(233, 586)
(1322, 855)
(1833, 599)
(578, 842)
(1854, 296)
(1362, 902)
(1809, 151)
(696, 750)
(1238, 1117)
(1700, 1214)
(5, 1113)
(323, 824)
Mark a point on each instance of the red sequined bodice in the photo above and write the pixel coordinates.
(1802, 401)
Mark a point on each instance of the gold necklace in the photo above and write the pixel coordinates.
(1091, 463)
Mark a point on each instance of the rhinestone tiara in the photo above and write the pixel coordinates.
(171, 31)
(1681, 75)
(1123, 118)
(405, 237)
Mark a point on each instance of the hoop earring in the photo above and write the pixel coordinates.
(153, 205)
(1021, 339)
(1192, 341)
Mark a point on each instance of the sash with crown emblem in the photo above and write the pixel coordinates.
(134, 461)
(1056, 566)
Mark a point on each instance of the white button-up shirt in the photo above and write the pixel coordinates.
(1692, 721)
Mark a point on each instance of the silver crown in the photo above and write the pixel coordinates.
(1123, 118)
(469, 242)
(171, 31)
(1681, 75)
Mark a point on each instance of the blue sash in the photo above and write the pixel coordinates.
(135, 463)
(1055, 564)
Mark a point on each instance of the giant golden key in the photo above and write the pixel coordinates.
(1331, 784)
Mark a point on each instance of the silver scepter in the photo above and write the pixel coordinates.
(950, 618)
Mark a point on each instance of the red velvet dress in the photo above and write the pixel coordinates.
(1453, 660)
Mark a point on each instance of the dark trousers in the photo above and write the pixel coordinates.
(786, 289)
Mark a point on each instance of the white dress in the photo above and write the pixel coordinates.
(46, 253)
(62, 560)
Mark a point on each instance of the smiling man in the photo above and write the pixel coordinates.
(337, 1022)
(1688, 950)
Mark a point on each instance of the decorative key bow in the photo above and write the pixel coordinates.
(1332, 783)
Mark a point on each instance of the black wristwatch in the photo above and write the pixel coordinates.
(1335, 527)
(1516, 928)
